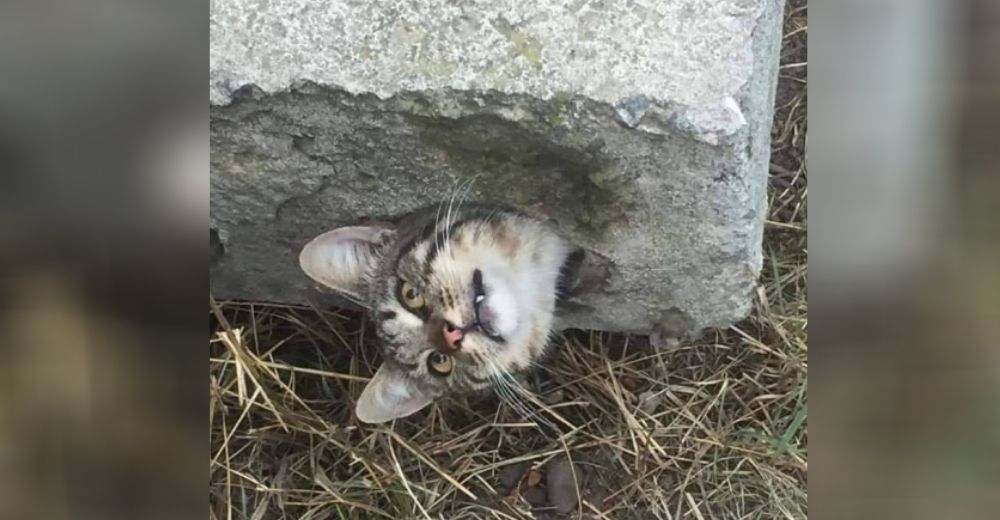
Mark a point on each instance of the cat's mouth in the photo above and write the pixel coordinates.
(495, 309)
(484, 315)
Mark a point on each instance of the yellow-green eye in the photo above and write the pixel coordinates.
(411, 296)
(440, 364)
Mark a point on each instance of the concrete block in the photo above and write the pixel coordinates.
(641, 127)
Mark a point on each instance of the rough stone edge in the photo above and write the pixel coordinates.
(757, 98)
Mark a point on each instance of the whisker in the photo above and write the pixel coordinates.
(349, 297)
(466, 190)
(437, 225)
(461, 193)
(508, 389)
(448, 275)
(508, 397)
(448, 260)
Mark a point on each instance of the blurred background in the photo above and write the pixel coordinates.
(103, 254)
(905, 263)
(103, 248)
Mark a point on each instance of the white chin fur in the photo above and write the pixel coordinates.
(501, 300)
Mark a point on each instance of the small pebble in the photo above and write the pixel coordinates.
(649, 401)
(596, 494)
(554, 397)
(629, 383)
(534, 496)
(511, 475)
(661, 342)
(562, 486)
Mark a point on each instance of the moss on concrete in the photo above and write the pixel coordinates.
(575, 183)
(524, 45)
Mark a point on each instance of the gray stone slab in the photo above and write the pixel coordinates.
(642, 128)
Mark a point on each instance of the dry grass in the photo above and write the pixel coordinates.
(712, 428)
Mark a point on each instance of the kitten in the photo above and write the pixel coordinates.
(462, 298)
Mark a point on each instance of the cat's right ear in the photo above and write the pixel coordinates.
(338, 259)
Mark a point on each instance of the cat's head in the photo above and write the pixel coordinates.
(459, 298)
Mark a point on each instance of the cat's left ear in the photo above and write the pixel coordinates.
(389, 395)
(339, 259)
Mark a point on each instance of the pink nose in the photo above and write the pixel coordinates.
(453, 336)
